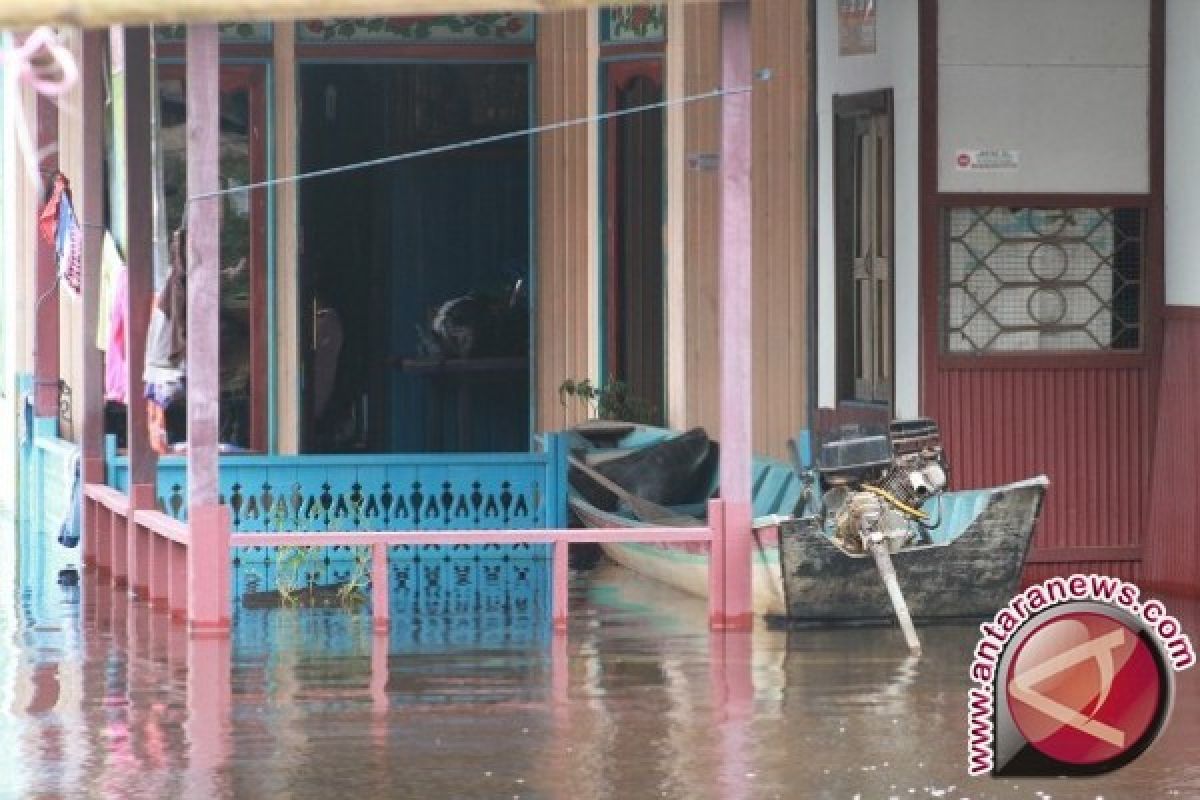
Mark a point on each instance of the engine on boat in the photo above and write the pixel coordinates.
(877, 483)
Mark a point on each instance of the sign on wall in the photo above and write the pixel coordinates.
(988, 159)
(856, 27)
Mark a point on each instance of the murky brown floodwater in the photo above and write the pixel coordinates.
(102, 697)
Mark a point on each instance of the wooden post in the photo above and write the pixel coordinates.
(735, 301)
(45, 342)
(89, 199)
(208, 549)
(139, 257)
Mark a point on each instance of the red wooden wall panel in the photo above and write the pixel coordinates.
(1088, 429)
(1125, 570)
(1173, 513)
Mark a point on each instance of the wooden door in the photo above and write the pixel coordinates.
(634, 281)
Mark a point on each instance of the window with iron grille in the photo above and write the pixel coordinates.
(1061, 279)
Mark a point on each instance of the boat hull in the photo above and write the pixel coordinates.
(686, 568)
(970, 576)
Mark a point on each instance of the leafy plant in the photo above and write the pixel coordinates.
(612, 400)
(292, 574)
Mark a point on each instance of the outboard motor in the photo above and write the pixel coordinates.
(876, 483)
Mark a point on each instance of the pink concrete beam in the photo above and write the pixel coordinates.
(530, 536)
(735, 308)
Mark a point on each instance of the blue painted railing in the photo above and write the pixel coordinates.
(47, 468)
(393, 492)
(48, 475)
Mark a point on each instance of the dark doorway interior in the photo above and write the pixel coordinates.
(385, 248)
(634, 286)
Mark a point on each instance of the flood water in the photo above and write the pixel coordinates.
(101, 696)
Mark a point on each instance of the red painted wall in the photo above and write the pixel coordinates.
(1173, 519)
(1088, 429)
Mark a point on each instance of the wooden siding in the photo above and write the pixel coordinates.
(289, 353)
(698, 349)
(563, 282)
(1125, 570)
(1172, 552)
(780, 42)
(1088, 429)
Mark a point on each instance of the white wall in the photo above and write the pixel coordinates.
(1182, 131)
(893, 66)
(1065, 82)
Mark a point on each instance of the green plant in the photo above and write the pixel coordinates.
(292, 575)
(353, 593)
(612, 400)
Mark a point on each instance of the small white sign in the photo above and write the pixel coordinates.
(988, 159)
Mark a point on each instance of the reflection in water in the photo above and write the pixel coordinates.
(101, 696)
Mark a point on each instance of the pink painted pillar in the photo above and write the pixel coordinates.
(103, 522)
(177, 582)
(160, 559)
(208, 550)
(733, 609)
(89, 205)
(139, 256)
(380, 598)
(560, 571)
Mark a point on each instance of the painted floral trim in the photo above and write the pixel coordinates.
(447, 27)
(229, 32)
(631, 23)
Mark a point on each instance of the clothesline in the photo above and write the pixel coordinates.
(499, 137)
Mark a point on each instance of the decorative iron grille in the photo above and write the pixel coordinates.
(1019, 279)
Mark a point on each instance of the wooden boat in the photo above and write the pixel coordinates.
(970, 569)
(777, 493)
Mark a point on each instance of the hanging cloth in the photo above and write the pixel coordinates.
(69, 245)
(110, 266)
(116, 356)
(48, 218)
(166, 339)
(166, 348)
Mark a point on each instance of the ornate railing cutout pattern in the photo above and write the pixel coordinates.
(302, 494)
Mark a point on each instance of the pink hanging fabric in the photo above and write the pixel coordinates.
(116, 358)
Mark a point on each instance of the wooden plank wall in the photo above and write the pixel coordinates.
(1172, 560)
(781, 230)
(1089, 430)
(564, 271)
(289, 352)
